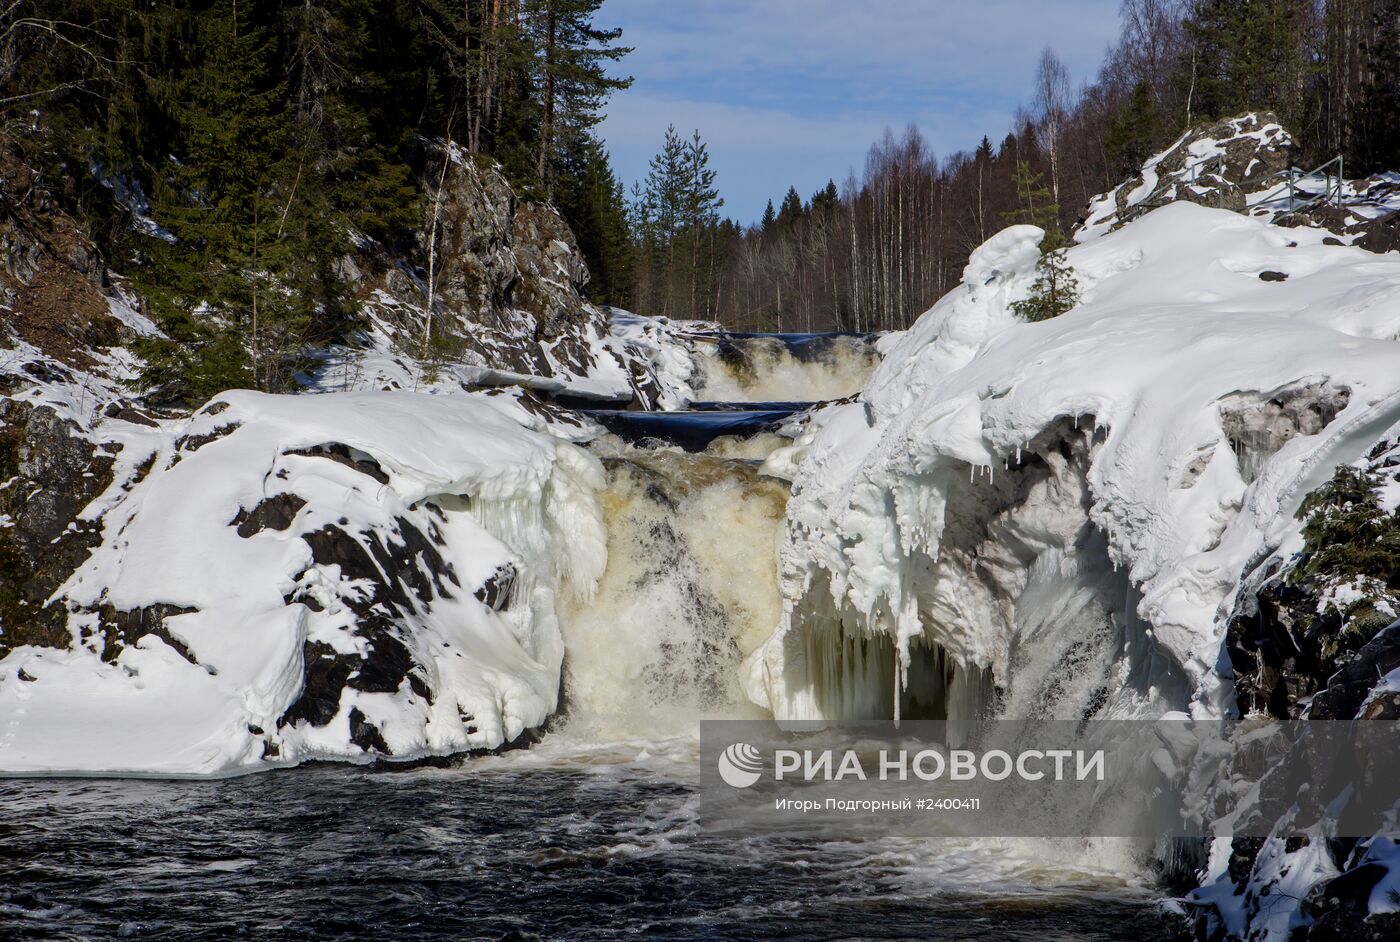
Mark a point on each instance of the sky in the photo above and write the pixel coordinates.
(794, 92)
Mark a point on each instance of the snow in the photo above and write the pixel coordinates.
(377, 360)
(478, 470)
(1173, 323)
(661, 342)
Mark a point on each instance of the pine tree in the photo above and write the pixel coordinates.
(574, 55)
(1034, 204)
(1056, 289)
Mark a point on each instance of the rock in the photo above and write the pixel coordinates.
(51, 273)
(1339, 908)
(1381, 234)
(1218, 165)
(508, 279)
(49, 472)
(398, 577)
(1348, 688)
(271, 513)
(552, 272)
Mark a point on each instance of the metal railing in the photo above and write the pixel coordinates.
(1332, 191)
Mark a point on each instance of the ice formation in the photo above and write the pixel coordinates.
(1057, 511)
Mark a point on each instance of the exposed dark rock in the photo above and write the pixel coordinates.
(123, 629)
(1300, 651)
(49, 472)
(341, 454)
(127, 412)
(46, 372)
(271, 513)
(51, 274)
(1273, 276)
(405, 575)
(1275, 643)
(192, 443)
(1381, 234)
(495, 592)
(366, 735)
(1347, 689)
(1246, 162)
(1340, 912)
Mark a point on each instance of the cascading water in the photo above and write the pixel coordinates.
(782, 367)
(689, 591)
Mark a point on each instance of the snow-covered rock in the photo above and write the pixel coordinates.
(280, 578)
(1233, 164)
(507, 280)
(997, 477)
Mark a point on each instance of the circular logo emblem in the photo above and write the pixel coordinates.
(740, 765)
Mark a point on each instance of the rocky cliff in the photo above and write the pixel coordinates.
(506, 280)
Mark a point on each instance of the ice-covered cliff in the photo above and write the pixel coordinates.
(1056, 516)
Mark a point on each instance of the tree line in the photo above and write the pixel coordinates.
(876, 249)
(268, 139)
(229, 154)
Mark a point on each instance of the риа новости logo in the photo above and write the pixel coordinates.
(740, 765)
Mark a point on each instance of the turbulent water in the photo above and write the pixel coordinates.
(590, 833)
(784, 367)
(570, 840)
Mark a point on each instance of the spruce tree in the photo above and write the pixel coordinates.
(702, 204)
(1135, 133)
(592, 201)
(1055, 290)
(769, 217)
(791, 210)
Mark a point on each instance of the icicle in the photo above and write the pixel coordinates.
(971, 470)
(898, 687)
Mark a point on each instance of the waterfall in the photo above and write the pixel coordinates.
(690, 588)
(782, 368)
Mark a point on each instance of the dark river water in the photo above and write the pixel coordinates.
(534, 847)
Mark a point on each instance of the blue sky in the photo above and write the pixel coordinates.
(793, 92)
